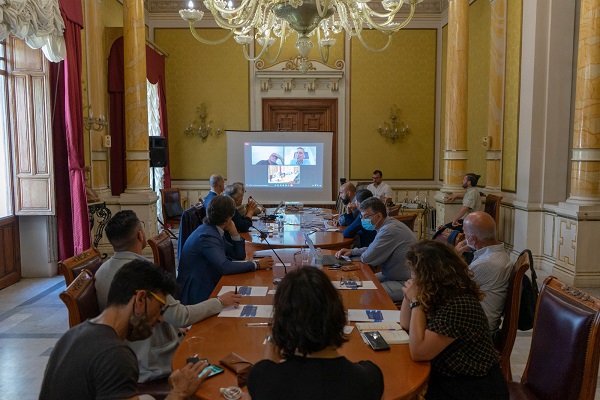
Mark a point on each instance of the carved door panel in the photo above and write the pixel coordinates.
(285, 120)
(10, 262)
(317, 115)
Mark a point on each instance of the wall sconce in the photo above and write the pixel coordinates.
(201, 126)
(94, 124)
(395, 129)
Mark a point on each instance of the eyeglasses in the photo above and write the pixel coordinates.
(368, 215)
(165, 306)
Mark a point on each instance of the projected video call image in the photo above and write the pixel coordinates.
(284, 155)
(284, 175)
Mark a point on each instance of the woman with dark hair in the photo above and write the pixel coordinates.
(207, 256)
(447, 326)
(308, 318)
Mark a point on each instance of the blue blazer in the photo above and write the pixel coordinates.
(205, 258)
(208, 197)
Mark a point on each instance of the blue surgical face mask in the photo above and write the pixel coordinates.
(367, 224)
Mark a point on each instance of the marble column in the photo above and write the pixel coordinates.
(97, 99)
(496, 95)
(136, 108)
(585, 158)
(455, 149)
(455, 146)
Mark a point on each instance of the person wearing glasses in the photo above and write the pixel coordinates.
(126, 234)
(307, 331)
(91, 360)
(388, 249)
(446, 325)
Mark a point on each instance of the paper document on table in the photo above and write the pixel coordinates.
(245, 290)
(278, 264)
(248, 311)
(347, 286)
(374, 315)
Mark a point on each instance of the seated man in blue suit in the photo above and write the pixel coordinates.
(207, 256)
(217, 185)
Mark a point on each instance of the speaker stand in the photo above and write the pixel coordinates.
(165, 228)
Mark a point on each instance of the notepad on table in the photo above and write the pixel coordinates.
(373, 315)
(392, 332)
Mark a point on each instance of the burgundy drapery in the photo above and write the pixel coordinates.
(73, 224)
(155, 72)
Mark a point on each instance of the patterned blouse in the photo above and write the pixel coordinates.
(472, 353)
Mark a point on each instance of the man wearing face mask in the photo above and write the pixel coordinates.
(389, 248)
(94, 351)
(491, 266)
(126, 234)
(348, 197)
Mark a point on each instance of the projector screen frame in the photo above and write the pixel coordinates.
(238, 141)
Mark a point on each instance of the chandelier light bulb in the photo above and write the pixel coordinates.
(191, 4)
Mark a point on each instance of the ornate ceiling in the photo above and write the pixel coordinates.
(173, 6)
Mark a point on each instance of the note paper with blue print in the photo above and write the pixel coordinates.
(373, 315)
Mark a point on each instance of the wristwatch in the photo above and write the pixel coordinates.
(256, 265)
(414, 304)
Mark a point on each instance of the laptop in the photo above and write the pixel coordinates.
(328, 259)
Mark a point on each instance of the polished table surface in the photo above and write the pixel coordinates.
(293, 235)
(403, 377)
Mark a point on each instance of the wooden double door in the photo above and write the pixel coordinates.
(305, 115)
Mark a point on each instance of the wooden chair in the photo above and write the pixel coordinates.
(394, 210)
(90, 259)
(362, 185)
(171, 206)
(508, 332)
(565, 346)
(408, 219)
(80, 298)
(163, 251)
(492, 206)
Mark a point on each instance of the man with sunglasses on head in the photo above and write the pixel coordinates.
(91, 361)
(388, 250)
(126, 234)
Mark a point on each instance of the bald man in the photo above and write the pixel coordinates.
(491, 265)
(348, 197)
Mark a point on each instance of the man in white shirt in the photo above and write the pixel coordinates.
(491, 266)
(380, 189)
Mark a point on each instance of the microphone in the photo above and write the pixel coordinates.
(264, 235)
(281, 204)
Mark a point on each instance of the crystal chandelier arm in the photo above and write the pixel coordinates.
(206, 41)
(226, 23)
(358, 34)
(387, 14)
(281, 40)
(383, 26)
(324, 57)
(322, 10)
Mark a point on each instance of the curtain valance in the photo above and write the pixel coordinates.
(38, 22)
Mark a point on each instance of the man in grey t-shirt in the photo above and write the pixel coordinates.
(389, 248)
(471, 200)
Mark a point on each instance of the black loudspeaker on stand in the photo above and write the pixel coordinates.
(158, 151)
(158, 159)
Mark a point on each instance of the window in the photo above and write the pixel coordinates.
(156, 174)
(6, 208)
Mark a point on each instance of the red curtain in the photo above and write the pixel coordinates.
(71, 203)
(155, 72)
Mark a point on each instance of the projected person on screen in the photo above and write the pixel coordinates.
(300, 157)
(272, 160)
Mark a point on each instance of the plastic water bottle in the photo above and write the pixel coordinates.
(280, 226)
(319, 260)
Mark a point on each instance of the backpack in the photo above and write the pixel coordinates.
(529, 296)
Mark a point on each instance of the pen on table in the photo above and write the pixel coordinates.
(259, 324)
(235, 290)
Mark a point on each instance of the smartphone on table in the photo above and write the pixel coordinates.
(211, 370)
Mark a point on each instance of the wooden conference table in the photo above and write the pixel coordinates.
(403, 377)
(292, 235)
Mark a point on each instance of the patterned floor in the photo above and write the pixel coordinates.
(32, 318)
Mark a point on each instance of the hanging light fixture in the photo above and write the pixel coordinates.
(269, 20)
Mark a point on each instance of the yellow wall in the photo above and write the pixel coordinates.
(404, 75)
(511, 95)
(198, 73)
(478, 90)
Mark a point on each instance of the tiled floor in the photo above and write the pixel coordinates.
(32, 318)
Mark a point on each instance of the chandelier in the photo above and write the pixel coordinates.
(267, 21)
